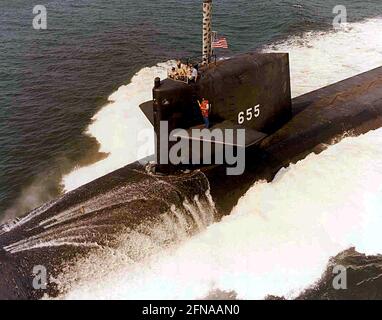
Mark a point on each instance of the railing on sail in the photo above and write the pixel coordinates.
(194, 61)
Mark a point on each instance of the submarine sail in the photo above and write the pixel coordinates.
(248, 92)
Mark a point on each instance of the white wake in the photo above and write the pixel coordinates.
(278, 238)
(121, 128)
(318, 59)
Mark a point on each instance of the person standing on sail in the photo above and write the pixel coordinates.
(205, 108)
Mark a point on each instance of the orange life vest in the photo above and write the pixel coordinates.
(204, 107)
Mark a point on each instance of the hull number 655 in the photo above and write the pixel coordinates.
(248, 114)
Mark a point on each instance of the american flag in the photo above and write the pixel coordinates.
(220, 43)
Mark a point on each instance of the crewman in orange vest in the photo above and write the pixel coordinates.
(205, 108)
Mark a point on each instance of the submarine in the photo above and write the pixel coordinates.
(135, 201)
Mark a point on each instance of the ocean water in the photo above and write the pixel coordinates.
(56, 85)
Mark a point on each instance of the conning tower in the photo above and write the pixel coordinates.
(249, 91)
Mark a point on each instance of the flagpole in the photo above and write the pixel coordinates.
(214, 37)
(207, 31)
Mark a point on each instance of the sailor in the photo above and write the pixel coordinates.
(180, 71)
(194, 75)
(172, 74)
(179, 65)
(205, 108)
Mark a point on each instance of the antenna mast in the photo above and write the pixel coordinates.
(207, 31)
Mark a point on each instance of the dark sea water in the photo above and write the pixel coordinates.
(53, 81)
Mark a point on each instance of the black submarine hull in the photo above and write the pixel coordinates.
(94, 216)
